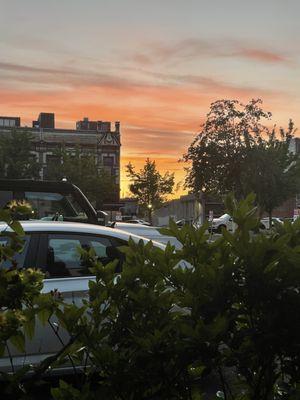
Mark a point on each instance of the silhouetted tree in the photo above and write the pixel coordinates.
(16, 159)
(236, 152)
(149, 187)
(82, 170)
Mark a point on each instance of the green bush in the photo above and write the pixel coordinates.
(21, 303)
(18, 288)
(156, 330)
(224, 322)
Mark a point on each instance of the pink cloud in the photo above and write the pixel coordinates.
(194, 48)
(262, 55)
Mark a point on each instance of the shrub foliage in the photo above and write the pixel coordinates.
(214, 319)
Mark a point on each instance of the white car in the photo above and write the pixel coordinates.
(225, 221)
(265, 223)
(53, 247)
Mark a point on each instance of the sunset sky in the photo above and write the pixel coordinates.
(154, 65)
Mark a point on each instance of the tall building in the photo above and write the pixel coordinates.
(90, 137)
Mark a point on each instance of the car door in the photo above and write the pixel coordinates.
(26, 258)
(58, 256)
(66, 273)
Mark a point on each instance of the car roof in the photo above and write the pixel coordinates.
(36, 185)
(138, 226)
(77, 227)
(140, 229)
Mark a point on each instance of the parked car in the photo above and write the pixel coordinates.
(180, 223)
(53, 247)
(225, 221)
(51, 200)
(265, 223)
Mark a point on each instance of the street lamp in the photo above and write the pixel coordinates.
(203, 204)
(149, 206)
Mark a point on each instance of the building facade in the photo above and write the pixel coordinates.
(186, 208)
(90, 137)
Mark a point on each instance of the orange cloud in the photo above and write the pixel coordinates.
(159, 117)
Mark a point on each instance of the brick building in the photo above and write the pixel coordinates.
(91, 137)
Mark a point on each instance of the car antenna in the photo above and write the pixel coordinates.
(112, 225)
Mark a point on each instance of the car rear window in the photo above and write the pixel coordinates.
(65, 258)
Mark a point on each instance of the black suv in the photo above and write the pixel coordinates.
(51, 200)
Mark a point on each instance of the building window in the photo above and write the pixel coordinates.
(108, 161)
(51, 163)
(53, 159)
(8, 122)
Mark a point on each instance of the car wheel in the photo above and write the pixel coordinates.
(219, 230)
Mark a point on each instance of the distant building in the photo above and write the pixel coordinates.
(91, 137)
(44, 121)
(10, 122)
(186, 208)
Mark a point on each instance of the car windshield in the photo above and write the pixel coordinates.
(225, 216)
(47, 206)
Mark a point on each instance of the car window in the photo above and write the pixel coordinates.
(19, 258)
(64, 256)
(57, 206)
(100, 246)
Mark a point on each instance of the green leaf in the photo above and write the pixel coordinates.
(2, 349)
(5, 216)
(29, 328)
(44, 315)
(18, 341)
(17, 227)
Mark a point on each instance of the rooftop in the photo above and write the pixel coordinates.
(46, 123)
